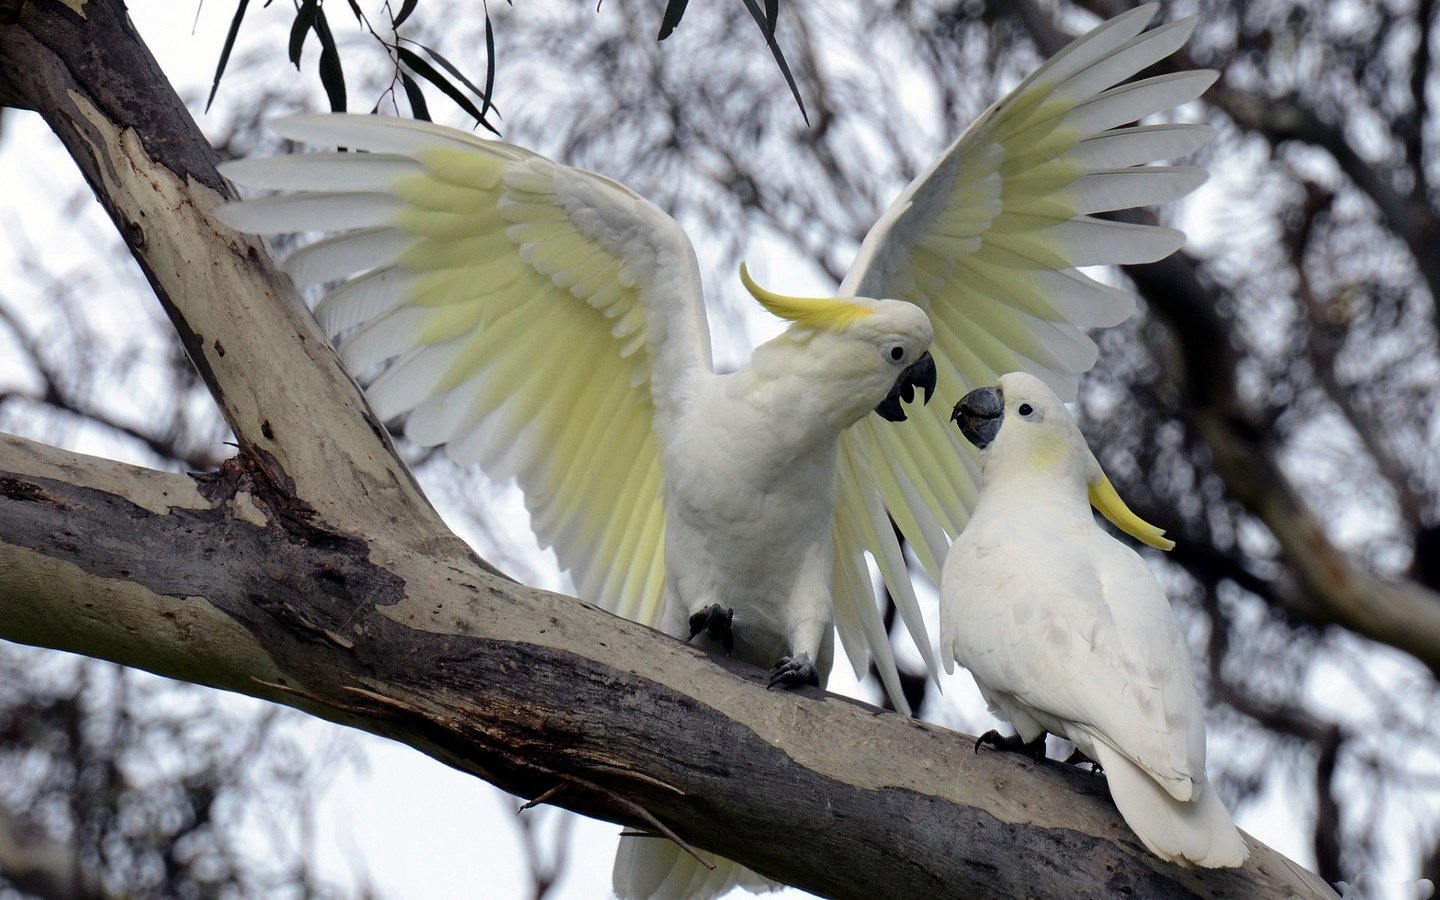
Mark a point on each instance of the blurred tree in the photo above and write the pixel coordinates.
(117, 784)
(1274, 405)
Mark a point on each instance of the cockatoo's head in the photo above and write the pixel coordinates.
(1021, 421)
(873, 353)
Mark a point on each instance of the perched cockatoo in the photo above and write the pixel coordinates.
(547, 323)
(1067, 631)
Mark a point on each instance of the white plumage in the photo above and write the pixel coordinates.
(1067, 631)
(547, 323)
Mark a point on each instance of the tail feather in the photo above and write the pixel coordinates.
(1199, 832)
(653, 868)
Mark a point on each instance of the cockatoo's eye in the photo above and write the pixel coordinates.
(1025, 409)
(893, 352)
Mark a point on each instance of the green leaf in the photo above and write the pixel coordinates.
(427, 71)
(489, 65)
(416, 97)
(331, 74)
(765, 18)
(674, 11)
(304, 21)
(406, 9)
(454, 71)
(225, 50)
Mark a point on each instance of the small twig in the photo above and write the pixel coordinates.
(542, 798)
(636, 809)
(637, 776)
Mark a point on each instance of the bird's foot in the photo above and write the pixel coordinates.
(1013, 744)
(715, 621)
(794, 671)
(1079, 759)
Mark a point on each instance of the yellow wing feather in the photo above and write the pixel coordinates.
(989, 241)
(520, 298)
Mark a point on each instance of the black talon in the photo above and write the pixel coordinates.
(1013, 744)
(715, 621)
(794, 671)
(1079, 759)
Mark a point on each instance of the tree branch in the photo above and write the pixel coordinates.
(103, 94)
(1414, 123)
(187, 577)
(1407, 214)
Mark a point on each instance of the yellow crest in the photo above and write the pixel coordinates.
(1104, 499)
(820, 313)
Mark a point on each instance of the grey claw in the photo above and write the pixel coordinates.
(715, 621)
(1013, 744)
(794, 671)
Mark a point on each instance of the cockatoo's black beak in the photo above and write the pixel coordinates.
(921, 374)
(979, 414)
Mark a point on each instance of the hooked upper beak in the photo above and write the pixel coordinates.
(921, 374)
(979, 414)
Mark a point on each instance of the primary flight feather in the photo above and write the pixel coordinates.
(1066, 630)
(547, 323)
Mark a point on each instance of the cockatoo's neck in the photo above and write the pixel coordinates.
(1047, 470)
(813, 395)
(762, 429)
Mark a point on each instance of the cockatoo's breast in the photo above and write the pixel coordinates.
(749, 508)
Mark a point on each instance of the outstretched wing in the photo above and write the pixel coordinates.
(539, 320)
(988, 241)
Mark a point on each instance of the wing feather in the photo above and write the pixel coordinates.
(539, 320)
(861, 627)
(344, 255)
(322, 171)
(989, 240)
(312, 211)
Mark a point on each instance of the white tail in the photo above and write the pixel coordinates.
(655, 868)
(1195, 833)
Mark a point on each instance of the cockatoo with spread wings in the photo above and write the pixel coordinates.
(547, 323)
(1065, 629)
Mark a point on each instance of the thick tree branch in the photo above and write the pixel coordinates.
(188, 577)
(310, 571)
(82, 67)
